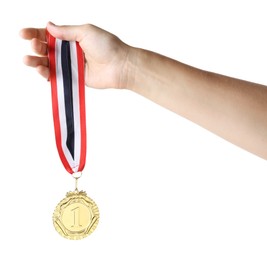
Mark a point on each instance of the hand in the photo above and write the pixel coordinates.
(106, 56)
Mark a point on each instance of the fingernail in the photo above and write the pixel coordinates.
(51, 23)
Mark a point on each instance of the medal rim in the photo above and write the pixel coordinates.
(58, 212)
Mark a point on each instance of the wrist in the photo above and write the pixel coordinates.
(129, 69)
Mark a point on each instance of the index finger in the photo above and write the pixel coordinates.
(30, 33)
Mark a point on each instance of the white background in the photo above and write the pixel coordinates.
(166, 188)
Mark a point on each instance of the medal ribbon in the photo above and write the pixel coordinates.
(66, 63)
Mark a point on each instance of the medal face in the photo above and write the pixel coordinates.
(76, 216)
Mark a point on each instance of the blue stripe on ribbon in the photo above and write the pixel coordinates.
(68, 95)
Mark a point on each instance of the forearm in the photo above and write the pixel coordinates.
(234, 109)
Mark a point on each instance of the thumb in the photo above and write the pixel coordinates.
(66, 32)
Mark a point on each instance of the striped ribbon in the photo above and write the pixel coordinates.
(66, 64)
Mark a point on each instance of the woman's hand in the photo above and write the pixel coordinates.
(106, 56)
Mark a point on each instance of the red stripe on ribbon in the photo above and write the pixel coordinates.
(82, 106)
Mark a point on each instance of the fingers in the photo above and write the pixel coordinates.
(69, 33)
(31, 33)
(65, 32)
(34, 61)
(44, 71)
(39, 47)
(40, 63)
(39, 43)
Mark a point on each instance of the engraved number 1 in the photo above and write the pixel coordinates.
(76, 217)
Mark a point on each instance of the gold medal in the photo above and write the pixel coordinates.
(76, 216)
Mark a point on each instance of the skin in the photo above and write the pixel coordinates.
(233, 109)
